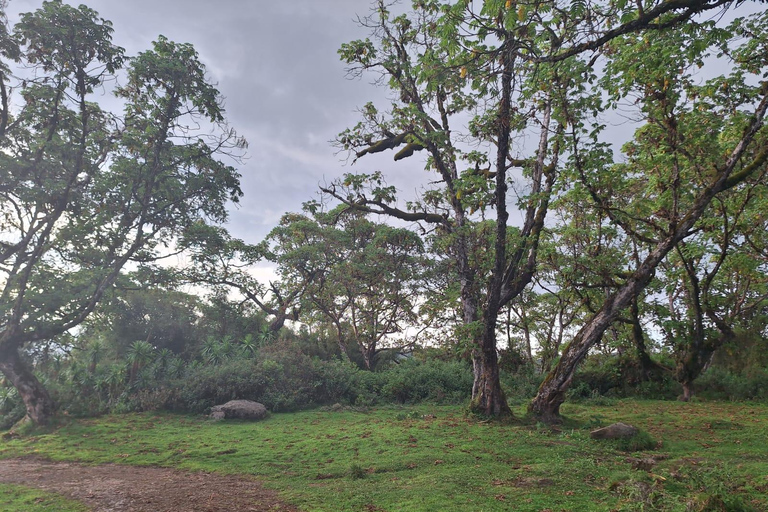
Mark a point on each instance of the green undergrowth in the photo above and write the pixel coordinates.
(16, 498)
(704, 456)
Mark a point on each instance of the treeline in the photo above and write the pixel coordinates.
(158, 349)
(536, 244)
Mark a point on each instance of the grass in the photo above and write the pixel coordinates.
(713, 456)
(16, 498)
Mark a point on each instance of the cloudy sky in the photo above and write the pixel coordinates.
(285, 89)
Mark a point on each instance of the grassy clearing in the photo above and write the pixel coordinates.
(16, 498)
(713, 456)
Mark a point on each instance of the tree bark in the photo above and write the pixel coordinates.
(687, 391)
(488, 398)
(40, 406)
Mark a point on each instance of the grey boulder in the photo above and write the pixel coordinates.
(615, 431)
(239, 409)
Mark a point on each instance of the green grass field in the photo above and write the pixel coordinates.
(709, 457)
(16, 498)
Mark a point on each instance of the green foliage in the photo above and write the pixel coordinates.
(641, 441)
(433, 381)
(11, 407)
(719, 383)
(207, 385)
(521, 385)
(87, 191)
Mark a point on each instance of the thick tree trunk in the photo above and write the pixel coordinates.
(277, 323)
(687, 391)
(488, 398)
(546, 405)
(40, 406)
(368, 353)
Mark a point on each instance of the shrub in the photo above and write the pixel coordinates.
(639, 442)
(723, 384)
(11, 407)
(432, 380)
(205, 386)
(522, 384)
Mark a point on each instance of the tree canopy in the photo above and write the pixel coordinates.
(86, 192)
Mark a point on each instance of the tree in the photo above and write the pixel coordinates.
(714, 283)
(513, 72)
(163, 318)
(85, 192)
(362, 277)
(698, 141)
(222, 261)
(449, 64)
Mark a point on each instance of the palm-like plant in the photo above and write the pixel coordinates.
(215, 352)
(140, 354)
(94, 355)
(175, 367)
(248, 346)
(113, 380)
(8, 399)
(266, 335)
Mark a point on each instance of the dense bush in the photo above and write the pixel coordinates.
(11, 407)
(621, 376)
(283, 377)
(435, 381)
(719, 383)
(206, 385)
(522, 384)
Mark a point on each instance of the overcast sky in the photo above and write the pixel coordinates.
(285, 89)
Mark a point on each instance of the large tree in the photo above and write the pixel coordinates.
(361, 277)
(496, 95)
(466, 98)
(698, 140)
(226, 263)
(714, 282)
(85, 192)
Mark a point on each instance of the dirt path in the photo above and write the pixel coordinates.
(118, 488)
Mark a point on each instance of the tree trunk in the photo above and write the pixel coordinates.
(487, 396)
(546, 405)
(277, 323)
(687, 391)
(369, 353)
(40, 406)
(489, 399)
(648, 367)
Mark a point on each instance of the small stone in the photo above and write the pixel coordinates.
(646, 464)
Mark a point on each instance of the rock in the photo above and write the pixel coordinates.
(239, 409)
(645, 464)
(615, 431)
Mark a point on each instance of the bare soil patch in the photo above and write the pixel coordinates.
(119, 488)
